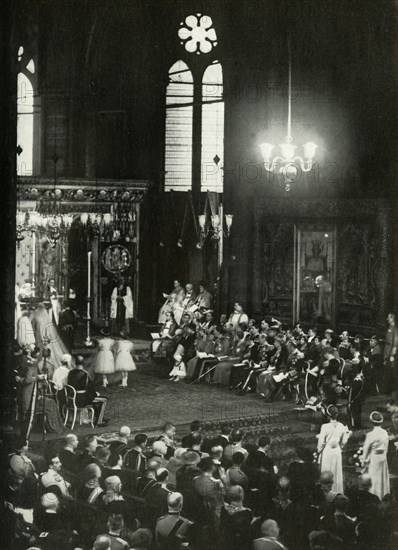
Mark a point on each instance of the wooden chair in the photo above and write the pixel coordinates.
(70, 405)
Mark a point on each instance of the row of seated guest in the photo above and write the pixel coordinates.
(276, 358)
(173, 331)
(211, 493)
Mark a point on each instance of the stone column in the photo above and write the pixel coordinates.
(8, 143)
(257, 273)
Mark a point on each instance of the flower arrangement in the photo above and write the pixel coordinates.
(357, 457)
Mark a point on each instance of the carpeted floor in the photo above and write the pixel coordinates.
(151, 399)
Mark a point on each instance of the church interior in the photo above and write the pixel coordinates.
(230, 163)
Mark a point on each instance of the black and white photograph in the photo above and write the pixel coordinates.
(199, 292)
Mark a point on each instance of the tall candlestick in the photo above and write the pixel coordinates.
(89, 274)
(33, 264)
(88, 341)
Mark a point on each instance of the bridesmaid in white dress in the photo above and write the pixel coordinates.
(331, 440)
(124, 362)
(105, 363)
(374, 458)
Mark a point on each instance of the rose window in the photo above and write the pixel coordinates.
(197, 34)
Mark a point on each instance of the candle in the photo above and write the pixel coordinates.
(89, 274)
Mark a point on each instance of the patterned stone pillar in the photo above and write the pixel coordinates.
(257, 272)
(383, 276)
(8, 144)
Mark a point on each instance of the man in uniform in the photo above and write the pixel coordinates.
(135, 459)
(53, 477)
(392, 455)
(390, 349)
(86, 393)
(172, 529)
(156, 498)
(373, 367)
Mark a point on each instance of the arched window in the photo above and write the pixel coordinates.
(25, 103)
(27, 107)
(194, 148)
(212, 129)
(179, 111)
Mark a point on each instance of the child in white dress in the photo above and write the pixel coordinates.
(124, 362)
(179, 371)
(105, 363)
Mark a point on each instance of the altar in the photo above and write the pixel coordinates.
(76, 239)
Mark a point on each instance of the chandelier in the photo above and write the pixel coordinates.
(288, 164)
(214, 226)
(53, 226)
(119, 224)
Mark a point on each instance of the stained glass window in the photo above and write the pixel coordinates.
(212, 129)
(179, 124)
(25, 102)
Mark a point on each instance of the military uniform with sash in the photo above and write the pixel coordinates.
(171, 529)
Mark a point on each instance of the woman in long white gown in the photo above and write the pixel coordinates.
(124, 362)
(46, 335)
(25, 332)
(374, 458)
(331, 440)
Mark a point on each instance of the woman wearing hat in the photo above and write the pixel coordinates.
(374, 458)
(331, 440)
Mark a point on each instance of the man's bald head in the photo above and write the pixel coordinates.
(124, 432)
(365, 482)
(102, 542)
(269, 528)
(175, 501)
(327, 478)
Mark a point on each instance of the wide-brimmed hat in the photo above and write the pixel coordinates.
(190, 458)
(332, 411)
(376, 417)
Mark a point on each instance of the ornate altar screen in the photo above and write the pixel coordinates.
(315, 278)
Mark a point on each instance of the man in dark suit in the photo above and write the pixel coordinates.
(120, 446)
(67, 325)
(373, 368)
(86, 393)
(69, 458)
(135, 459)
(207, 487)
(235, 475)
(261, 472)
(186, 344)
(223, 438)
(87, 456)
(363, 504)
(156, 498)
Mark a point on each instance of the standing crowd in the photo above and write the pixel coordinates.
(220, 492)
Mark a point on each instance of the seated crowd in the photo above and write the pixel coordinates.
(197, 492)
(237, 352)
